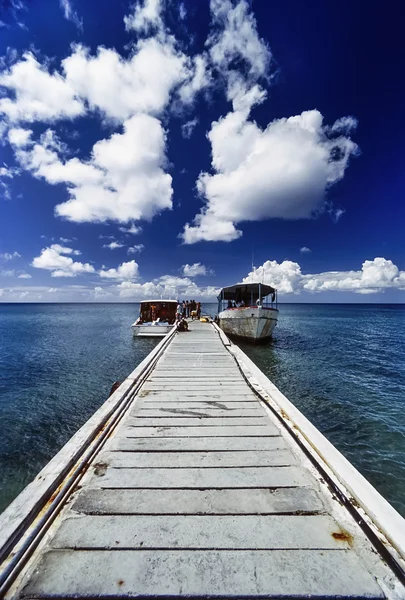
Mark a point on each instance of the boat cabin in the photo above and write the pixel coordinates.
(247, 294)
(163, 311)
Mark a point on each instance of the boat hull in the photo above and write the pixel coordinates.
(150, 330)
(254, 324)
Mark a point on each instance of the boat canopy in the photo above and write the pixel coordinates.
(153, 310)
(244, 291)
(159, 301)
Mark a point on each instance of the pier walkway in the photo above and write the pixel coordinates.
(202, 481)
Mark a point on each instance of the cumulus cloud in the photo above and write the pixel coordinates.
(123, 181)
(305, 250)
(135, 249)
(19, 137)
(113, 245)
(235, 48)
(54, 258)
(126, 271)
(125, 177)
(167, 286)
(282, 171)
(38, 94)
(24, 276)
(120, 88)
(374, 276)
(195, 270)
(146, 16)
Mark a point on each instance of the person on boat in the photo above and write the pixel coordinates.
(230, 304)
(153, 312)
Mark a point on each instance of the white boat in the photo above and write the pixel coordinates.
(156, 318)
(248, 311)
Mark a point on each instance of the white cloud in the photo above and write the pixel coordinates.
(10, 255)
(123, 181)
(168, 286)
(135, 249)
(54, 259)
(19, 137)
(126, 271)
(38, 94)
(113, 245)
(128, 289)
(375, 276)
(24, 276)
(195, 270)
(146, 16)
(100, 292)
(70, 14)
(121, 88)
(285, 276)
(132, 230)
(235, 49)
(188, 128)
(198, 78)
(282, 171)
(305, 250)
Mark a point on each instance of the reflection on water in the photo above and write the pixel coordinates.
(342, 365)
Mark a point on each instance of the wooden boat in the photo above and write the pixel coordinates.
(248, 311)
(156, 318)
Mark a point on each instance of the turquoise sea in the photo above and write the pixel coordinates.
(342, 365)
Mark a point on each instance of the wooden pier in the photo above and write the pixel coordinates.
(198, 478)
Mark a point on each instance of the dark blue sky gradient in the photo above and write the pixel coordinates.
(340, 57)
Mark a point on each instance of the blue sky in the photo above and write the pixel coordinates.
(159, 147)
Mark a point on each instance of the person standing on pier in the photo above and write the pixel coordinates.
(198, 310)
(187, 309)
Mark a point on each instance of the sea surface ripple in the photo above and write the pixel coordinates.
(343, 366)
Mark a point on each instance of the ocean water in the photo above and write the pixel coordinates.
(342, 365)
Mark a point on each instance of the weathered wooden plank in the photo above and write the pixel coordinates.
(237, 477)
(184, 444)
(198, 385)
(226, 573)
(191, 374)
(229, 407)
(269, 458)
(256, 532)
(196, 379)
(233, 431)
(237, 501)
(199, 421)
(195, 411)
(197, 395)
